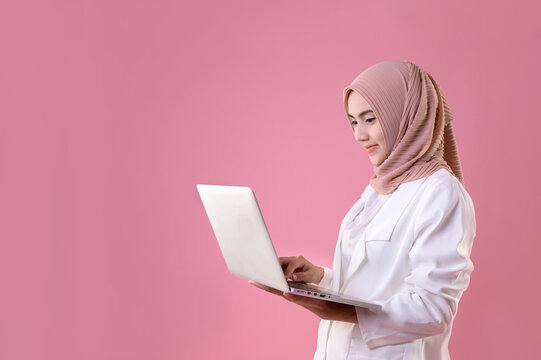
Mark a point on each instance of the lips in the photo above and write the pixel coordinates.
(370, 148)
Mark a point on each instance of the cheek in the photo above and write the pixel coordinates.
(381, 139)
(378, 136)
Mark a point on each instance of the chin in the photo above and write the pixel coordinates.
(376, 162)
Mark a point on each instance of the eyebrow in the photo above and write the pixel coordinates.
(363, 113)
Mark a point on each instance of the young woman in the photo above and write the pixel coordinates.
(407, 241)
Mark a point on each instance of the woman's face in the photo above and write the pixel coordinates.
(366, 128)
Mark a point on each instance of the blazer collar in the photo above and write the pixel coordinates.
(381, 227)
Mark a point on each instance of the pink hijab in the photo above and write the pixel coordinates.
(415, 120)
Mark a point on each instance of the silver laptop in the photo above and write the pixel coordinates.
(246, 246)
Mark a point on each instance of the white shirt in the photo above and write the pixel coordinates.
(354, 230)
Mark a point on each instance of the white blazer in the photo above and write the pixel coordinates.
(414, 258)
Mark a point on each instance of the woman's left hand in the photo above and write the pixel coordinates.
(324, 309)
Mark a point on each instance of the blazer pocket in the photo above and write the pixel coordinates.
(378, 250)
(359, 351)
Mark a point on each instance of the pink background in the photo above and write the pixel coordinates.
(112, 111)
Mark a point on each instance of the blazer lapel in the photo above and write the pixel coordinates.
(383, 224)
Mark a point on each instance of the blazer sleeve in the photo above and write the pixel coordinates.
(444, 228)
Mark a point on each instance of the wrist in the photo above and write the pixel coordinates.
(321, 273)
(348, 314)
(341, 312)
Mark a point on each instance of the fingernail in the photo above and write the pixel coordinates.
(294, 277)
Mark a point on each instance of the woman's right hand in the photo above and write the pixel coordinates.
(297, 268)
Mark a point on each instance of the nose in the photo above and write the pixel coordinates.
(360, 133)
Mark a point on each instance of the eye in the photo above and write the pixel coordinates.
(370, 120)
(353, 122)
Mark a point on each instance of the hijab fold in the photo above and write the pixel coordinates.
(415, 119)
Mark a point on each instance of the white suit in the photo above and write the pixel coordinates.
(413, 258)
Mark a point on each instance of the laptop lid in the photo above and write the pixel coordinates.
(242, 235)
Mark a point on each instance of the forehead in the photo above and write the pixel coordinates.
(356, 103)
